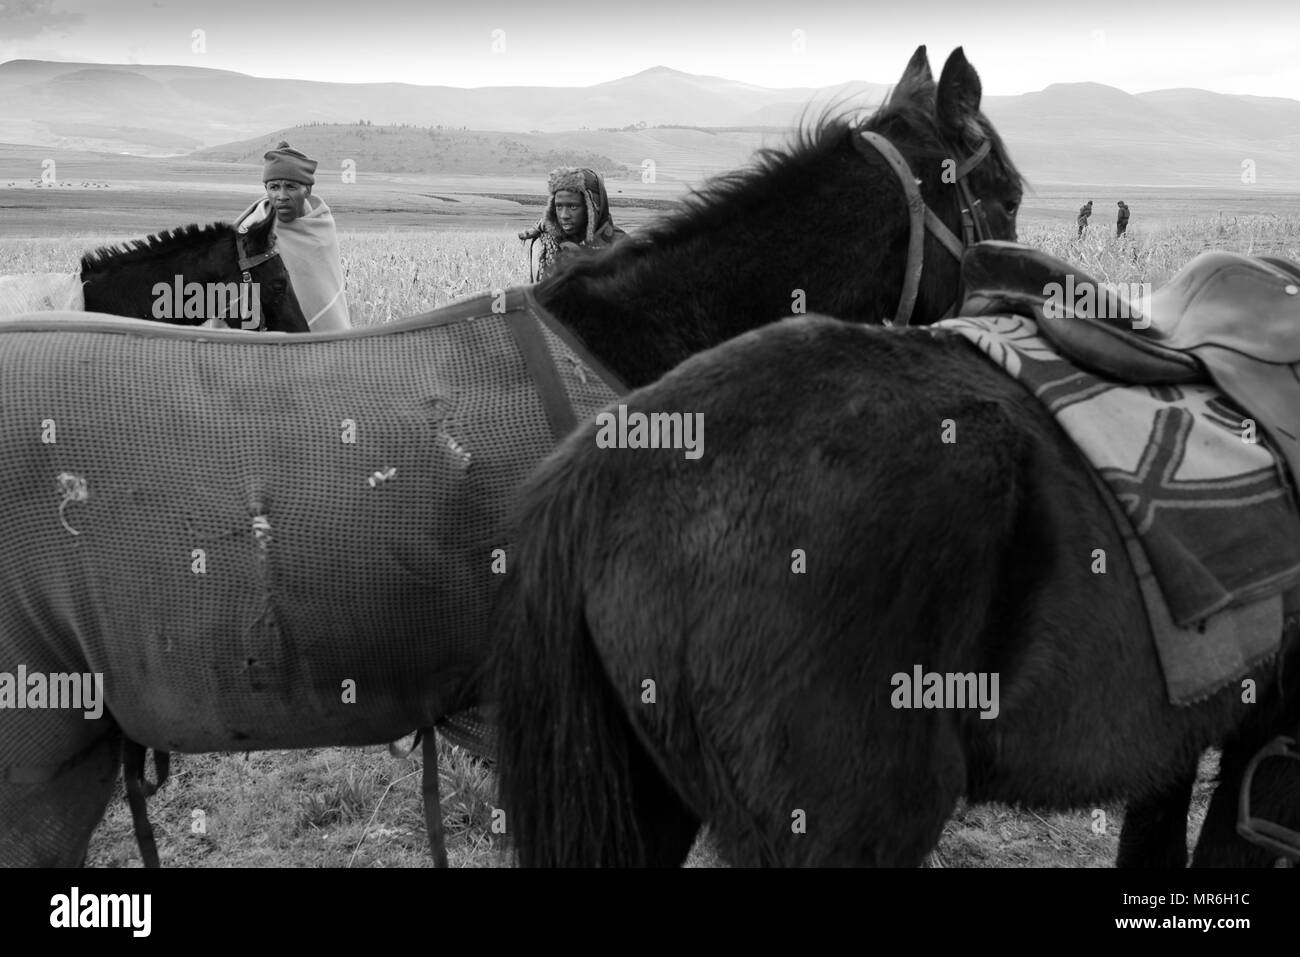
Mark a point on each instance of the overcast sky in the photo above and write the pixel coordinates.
(1228, 46)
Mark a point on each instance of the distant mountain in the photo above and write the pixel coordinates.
(75, 105)
(1076, 133)
(1088, 133)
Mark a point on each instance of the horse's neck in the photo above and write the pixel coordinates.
(655, 313)
(129, 289)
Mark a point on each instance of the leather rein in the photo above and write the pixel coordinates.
(974, 221)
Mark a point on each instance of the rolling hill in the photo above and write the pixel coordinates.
(690, 125)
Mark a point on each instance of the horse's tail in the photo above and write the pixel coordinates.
(578, 787)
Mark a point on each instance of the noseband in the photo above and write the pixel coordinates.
(974, 222)
(248, 263)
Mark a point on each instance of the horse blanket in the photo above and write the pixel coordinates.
(41, 292)
(1209, 502)
(259, 541)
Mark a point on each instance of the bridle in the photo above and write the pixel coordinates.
(248, 263)
(974, 221)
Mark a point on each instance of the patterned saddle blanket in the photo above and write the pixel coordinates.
(1210, 503)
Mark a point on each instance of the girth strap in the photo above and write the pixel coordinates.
(530, 342)
(138, 789)
(433, 798)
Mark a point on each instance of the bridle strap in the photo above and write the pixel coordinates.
(918, 220)
(973, 160)
(248, 263)
(252, 262)
(922, 218)
(945, 235)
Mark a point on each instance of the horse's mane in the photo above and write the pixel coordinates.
(908, 107)
(157, 244)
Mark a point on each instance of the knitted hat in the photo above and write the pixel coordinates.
(285, 162)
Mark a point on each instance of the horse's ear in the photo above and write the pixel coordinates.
(917, 70)
(958, 99)
(916, 81)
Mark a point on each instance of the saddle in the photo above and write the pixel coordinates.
(1229, 320)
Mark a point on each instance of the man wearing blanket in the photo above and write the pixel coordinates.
(305, 236)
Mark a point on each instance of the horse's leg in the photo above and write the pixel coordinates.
(1155, 827)
(579, 787)
(49, 824)
(808, 774)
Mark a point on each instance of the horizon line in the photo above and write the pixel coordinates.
(657, 67)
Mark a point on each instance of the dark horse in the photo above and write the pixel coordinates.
(123, 280)
(713, 640)
(737, 256)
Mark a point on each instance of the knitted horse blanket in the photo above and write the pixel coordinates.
(263, 541)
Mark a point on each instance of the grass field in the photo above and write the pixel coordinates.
(360, 807)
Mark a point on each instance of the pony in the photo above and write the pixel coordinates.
(716, 638)
(728, 261)
(124, 280)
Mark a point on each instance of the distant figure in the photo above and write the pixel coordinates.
(1122, 223)
(305, 236)
(577, 215)
(1084, 212)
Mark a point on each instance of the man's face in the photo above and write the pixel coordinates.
(289, 199)
(571, 213)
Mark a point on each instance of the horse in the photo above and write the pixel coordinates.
(406, 619)
(205, 273)
(689, 639)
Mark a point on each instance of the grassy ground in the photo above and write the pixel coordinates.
(361, 807)
(344, 807)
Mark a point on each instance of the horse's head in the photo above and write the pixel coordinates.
(190, 275)
(259, 261)
(833, 223)
(961, 169)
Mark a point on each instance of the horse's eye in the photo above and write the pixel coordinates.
(1011, 207)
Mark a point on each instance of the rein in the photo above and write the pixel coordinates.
(974, 221)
